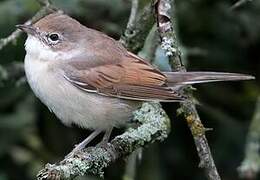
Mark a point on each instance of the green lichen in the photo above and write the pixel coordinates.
(155, 127)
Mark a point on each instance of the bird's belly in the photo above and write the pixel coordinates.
(74, 106)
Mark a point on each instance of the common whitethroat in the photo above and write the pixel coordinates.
(88, 79)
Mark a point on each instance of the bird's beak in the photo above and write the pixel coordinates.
(29, 29)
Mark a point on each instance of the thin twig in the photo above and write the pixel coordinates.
(14, 35)
(198, 132)
(151, 43)
(135, 34)
(169, 44)
(133, 14)
(44, 2)
(239, 4)
(13, 72)
(130, 169)
(250, 166)
(17, 71)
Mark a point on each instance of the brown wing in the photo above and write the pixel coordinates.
(131, 78)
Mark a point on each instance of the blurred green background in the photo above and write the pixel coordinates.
(212, 38)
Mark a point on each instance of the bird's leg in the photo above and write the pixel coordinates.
(84, 143)
(106, 137)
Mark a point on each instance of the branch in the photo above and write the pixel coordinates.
(251, 164)
(47, 9)
(155, 126)
(138, 27)
(169, 44)
(167, 34)
(132, 17)
(198, 132)
(45, 3)
(130, 168)
(13, 72)
(239, 4)
(151, 43)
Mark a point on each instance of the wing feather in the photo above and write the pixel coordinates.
(131, 78)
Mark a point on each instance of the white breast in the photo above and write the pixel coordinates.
(70, 104)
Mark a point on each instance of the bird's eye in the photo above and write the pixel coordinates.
(54, 37)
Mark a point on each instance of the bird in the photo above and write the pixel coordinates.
(90, 80)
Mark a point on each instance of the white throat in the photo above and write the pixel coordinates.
(37, 50)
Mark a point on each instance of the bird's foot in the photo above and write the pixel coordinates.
(78, 148)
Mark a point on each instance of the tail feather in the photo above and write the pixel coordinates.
(186, 78)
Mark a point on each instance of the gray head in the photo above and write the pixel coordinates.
(55, 33)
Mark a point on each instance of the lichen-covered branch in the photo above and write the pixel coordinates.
(155, 126)
(198, 132)
(239, 4)
(250, 166)
(169, 44)
(167, 34)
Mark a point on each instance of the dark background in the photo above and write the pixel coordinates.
(212, 38)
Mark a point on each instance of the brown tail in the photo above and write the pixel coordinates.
(185, 78)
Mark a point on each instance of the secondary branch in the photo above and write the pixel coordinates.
(188, 108)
